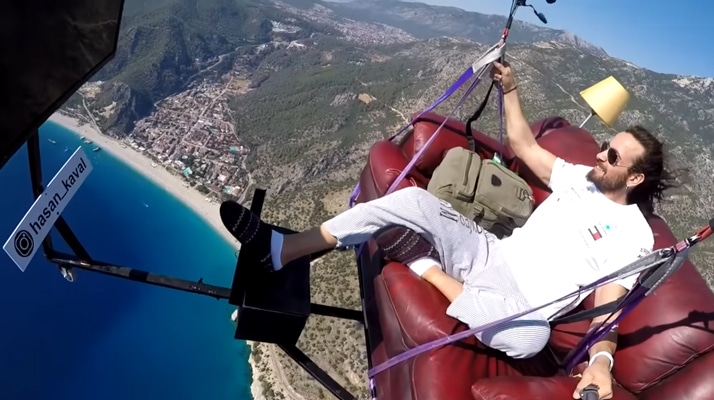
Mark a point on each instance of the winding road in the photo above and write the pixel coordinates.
(280, 377)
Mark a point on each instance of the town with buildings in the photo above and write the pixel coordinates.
(192, 133)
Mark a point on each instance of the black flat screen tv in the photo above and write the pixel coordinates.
(48, 49)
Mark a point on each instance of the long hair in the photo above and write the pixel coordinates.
(652, 164)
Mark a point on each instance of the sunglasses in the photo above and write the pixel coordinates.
(612, 155)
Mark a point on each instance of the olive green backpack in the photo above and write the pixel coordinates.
(485, 191)
(482, 190)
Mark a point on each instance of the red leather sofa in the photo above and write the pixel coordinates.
(665, 345)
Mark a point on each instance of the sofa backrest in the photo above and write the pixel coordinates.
(453, 134)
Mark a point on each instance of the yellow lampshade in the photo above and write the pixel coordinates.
(607, 99)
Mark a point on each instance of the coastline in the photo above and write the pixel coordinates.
(256, 388)
(207, 210)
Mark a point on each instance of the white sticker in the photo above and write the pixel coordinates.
(27, 237)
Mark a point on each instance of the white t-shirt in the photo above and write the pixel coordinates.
(575, 237)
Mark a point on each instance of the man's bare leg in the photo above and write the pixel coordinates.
(304, 243)
(447, 285)
(272, 249)
(413, 208)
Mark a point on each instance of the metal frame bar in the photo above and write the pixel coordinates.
(82, 260)
(290, 349)
(316, 372)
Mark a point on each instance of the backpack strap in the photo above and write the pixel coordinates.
(476, 115)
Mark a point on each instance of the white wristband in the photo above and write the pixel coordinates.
(604, 354)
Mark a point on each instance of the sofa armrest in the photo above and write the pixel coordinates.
(418, 309)
(413, 312)
(533, 388)
(690, 382)
(385, 163)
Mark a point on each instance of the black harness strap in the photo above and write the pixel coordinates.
(476, 115)
(585, 315)
(649, 279)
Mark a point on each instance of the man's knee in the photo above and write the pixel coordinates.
(527, 348)
(415, 195)
(524, 341)
(411, 191)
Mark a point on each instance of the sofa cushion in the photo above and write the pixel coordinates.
(540, 128)
(688, 383)
(448, 138)
(651, 349)
(412, 312)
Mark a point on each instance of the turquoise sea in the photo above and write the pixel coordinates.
(108, 338)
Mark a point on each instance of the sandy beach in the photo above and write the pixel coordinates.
(191, 198)
(160, 176)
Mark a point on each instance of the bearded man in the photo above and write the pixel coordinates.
(592, 224)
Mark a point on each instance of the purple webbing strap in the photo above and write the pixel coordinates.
(629, 303)
(393, 186)
(433, 137)
(450, 91)
(492, 54)
(497, 156)
(481, 65)
(461, 335)
(500, 115)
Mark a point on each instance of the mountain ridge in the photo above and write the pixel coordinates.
(434, 20)
(167, 43)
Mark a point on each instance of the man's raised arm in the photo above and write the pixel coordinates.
(518, 132)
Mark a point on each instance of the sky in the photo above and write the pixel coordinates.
(658, 35)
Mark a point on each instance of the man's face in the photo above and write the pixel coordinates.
(611, 172)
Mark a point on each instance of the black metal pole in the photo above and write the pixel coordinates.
(140, 276)
(33, 156)
(316, 372)
(35, 160)
(337, 312)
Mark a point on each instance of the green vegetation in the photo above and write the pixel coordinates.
(165, 42)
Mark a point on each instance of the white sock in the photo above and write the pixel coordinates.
(276, 249)
(421, 265)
